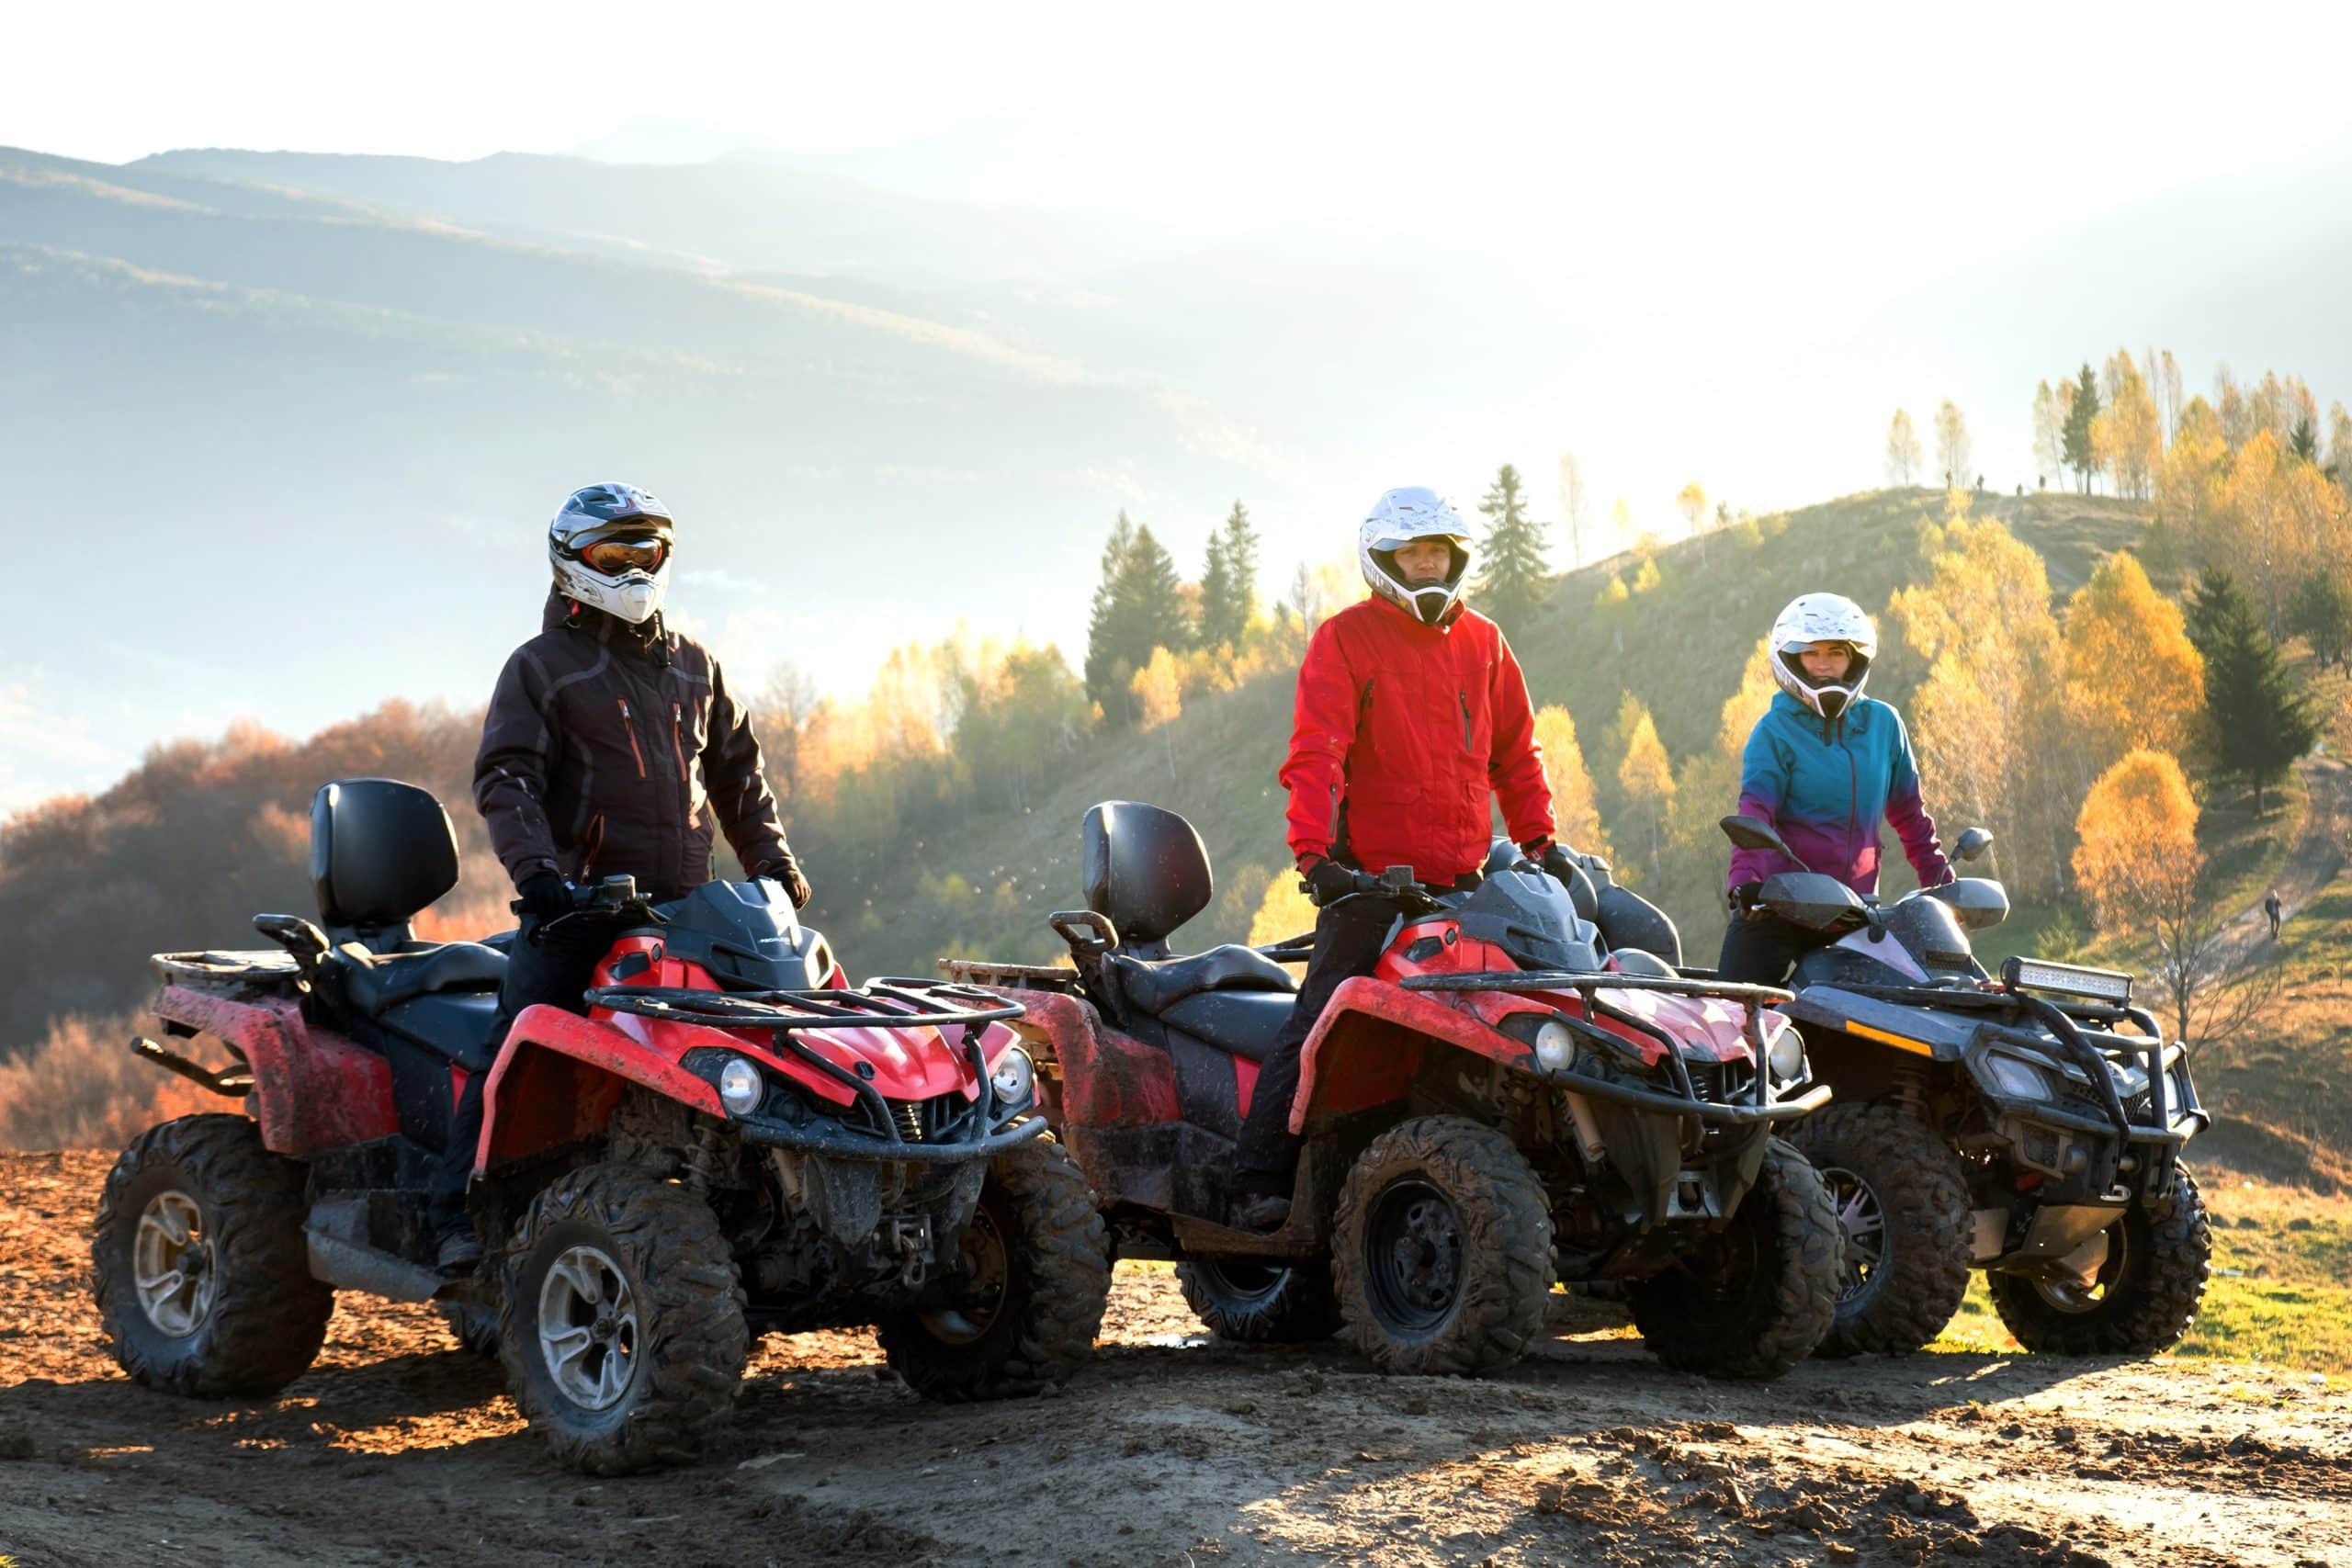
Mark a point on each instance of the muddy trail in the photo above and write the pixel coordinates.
(400, 1447)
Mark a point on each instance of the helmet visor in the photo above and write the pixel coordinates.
(643, 552)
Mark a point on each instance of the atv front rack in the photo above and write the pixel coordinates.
(885, 1002)
(1595, 980)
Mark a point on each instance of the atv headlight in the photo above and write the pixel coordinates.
(1786, 1055)
(1013, 1077)
(2017, 1079)
(1555, 1046)
(741, 1087)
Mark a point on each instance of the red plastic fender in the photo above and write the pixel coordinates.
(312, 1089)
(1108, 1078)
(559, 1076)
(1367, 1047)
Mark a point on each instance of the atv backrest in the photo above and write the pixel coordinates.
(380, 852)
(1146, 870)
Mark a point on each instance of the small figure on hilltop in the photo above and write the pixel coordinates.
(612, 747)
(2273, 911)
(1412, 714)
(1824, 767)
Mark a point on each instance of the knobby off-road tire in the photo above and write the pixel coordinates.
(1254, 1302)
(1441, 1249)
(1903, 1213)
(1759, 1295)
(2160, 1256)
(203, 1278)
(1034, 1278)
(637, 1287)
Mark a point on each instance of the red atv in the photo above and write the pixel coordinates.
(1512, 1099)
(733, 1141)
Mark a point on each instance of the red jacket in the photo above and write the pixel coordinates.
(1401, 732)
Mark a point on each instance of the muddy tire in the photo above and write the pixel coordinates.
(1441, 1249)
(1268, 1303)
(203, 1279)
(2159, 1258)
(622, 1325)
(1902, 1212)
(473, 1326)
(1762, 1293)
(1028, 1295)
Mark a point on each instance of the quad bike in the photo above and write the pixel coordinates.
(1500, 1106)
(2003, 1123)
(733, 1140)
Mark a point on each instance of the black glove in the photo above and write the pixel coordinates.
(1741, 900)
(1327, 880)
(788, 870)
(546, 895)
(1558, 864)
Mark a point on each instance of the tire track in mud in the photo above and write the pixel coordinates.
(397, 1448)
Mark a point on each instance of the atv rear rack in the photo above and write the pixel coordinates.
(885, 1002)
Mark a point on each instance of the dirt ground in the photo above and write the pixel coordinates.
(399, 1448)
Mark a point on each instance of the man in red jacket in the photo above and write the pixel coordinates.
(1412, 713)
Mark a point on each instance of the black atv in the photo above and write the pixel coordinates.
(2028, 1125)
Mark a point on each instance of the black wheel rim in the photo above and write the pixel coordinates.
(1862, 1221)
(1412, 1246)
(983, 1276)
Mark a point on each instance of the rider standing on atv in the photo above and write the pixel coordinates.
(1412, 712)
(1824, 767)
(612, 747)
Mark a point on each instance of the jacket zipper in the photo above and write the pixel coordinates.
(1463, 697)
(596, 848)
(629, 729)
(677, 739)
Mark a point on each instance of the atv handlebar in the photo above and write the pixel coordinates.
(613, 898)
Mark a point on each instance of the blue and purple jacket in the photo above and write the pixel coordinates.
(1826, 784)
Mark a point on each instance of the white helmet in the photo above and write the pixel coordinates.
(610, 547)
(1399, 518)
(1823, 618)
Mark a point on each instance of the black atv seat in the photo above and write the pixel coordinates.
(455, 1025)
(1154, 984)
(1244, 1022)
(376, 983)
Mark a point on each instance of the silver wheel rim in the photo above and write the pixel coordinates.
(2076, 1297)
(1862, 1222)
(172, 1264)
(588, 1328)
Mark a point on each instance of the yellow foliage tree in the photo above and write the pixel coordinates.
(1644, 772)
(1692, 503)
(1647, 578)
(1576, 818)
(1284, 912)
(2128, 435)
(2137, 863)
(2133, 680)
(1159, 691)
(1612, 592)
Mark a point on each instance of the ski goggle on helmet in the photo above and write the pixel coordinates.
(1812, 618)
(1402, 517)
(610, 547)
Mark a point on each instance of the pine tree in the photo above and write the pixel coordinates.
(1511, 587)
(2081, 450)
(1105, 683)
(1152, 591)
(1229, 582)
(2257, 717)
(1138, 606)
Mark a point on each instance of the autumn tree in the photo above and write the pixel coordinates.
(1576, 816)
(2257, 720)
(2321, 613)
(2127, 440)
(1644, 773)
(1512, 586)
(2339, 446)
(2082, 413)
(1903, 454)
(1691, 501)
(2167, 373)
(1229, 582)
(2049, 432)
(2134, 679)
(2139, 869)
(1574, 507)
(1953, 450)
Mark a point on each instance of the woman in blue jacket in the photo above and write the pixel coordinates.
(1824, 766)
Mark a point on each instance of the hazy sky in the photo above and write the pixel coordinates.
(1695, 189)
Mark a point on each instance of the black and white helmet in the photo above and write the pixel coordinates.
(610, 547)
(1399, 518)
(1823, 618)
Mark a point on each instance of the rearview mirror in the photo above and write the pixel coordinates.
(1749, 833)
(1973, 844)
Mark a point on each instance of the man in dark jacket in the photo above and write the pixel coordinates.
(612, 745)
(1411, 715)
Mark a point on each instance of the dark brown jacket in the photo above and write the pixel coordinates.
(610, 749)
